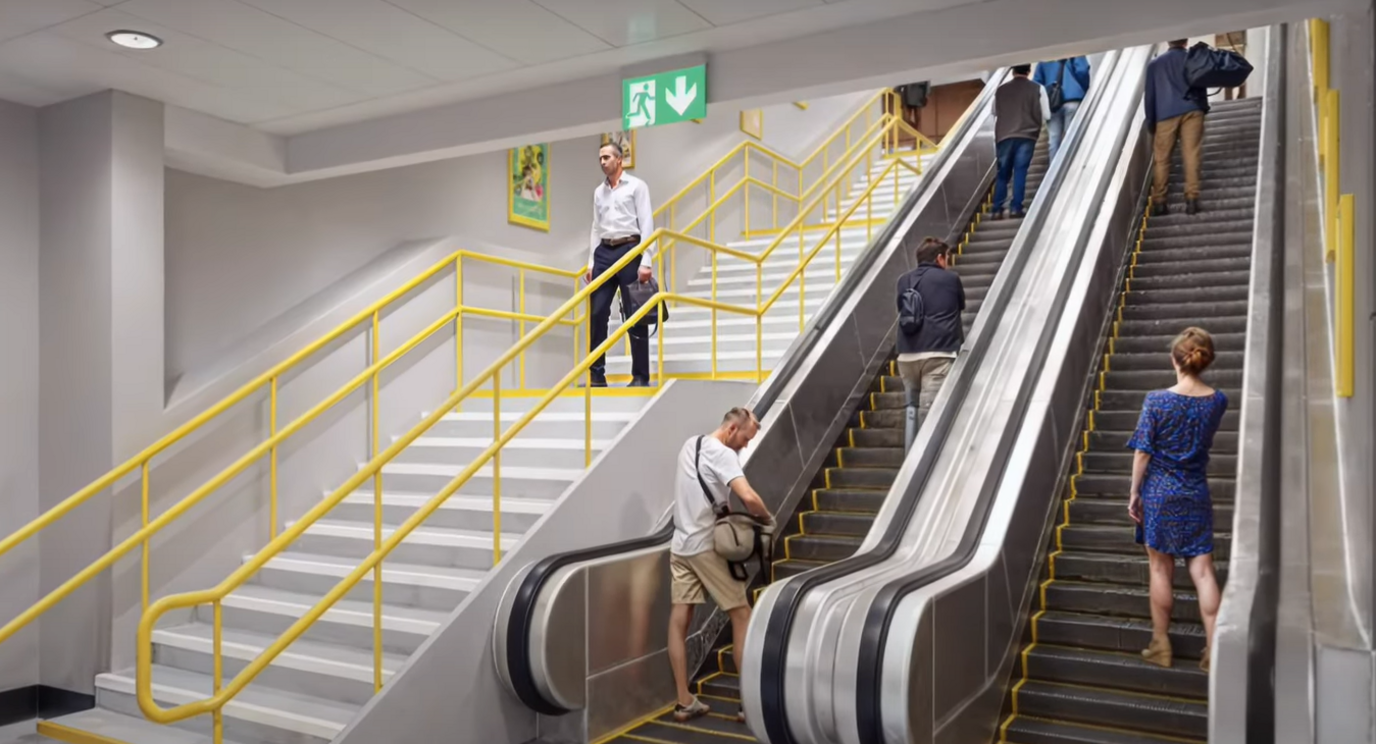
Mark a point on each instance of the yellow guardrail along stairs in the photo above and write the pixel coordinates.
(485, 463)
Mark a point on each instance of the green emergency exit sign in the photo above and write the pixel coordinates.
(664, 98)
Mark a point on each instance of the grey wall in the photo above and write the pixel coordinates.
(240, 256)
(18, 379)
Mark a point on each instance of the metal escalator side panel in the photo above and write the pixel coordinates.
(958, 579)
(811, 692)
(1241, 692)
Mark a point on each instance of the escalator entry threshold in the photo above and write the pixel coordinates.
(1079, 678)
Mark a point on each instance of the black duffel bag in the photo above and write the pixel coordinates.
(1206, 67)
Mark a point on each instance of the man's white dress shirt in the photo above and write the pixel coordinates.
(620, 213)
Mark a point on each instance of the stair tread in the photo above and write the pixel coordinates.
(1030, 730)
(325, 658)
(421, 535)
(448, 577)
(114, 726)
(354, 612)
(293, 709)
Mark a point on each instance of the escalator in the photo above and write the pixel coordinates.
(1079, 677)
(847, 493)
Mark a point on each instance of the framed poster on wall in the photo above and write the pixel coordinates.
(625, 138)
(752, 122)
(527, 196)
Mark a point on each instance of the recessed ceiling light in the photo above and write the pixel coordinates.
(134, 39)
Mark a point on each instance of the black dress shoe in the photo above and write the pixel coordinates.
(597, 382)
(1019, 214)
(1159, 209)
(639, 382)
(1191, 206)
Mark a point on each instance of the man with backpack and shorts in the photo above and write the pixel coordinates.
(931, 299)
(709, 471)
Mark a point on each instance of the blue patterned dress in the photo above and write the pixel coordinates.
(1177, 431)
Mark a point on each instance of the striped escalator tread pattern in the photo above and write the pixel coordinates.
(1079, 678)
(846, 494)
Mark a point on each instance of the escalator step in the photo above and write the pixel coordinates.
(1113, 510)
(1107, 538)
(1113, 599)
(1125, 634)
(891, 419)
(859, 500)
(1029, 730)
(1124, 400)
(782, 569)
(1127, 421)
(1186, 229)
(1223, 342)
(862, 477)
(1196, 278)
(1220, 465)
(1225, 442)
(820, 548)
(1207, 240)
(1118, 484)
(1121, 568)
(720, 686)
(888, 401)
(1157, 253)
(836, 524)
(1105, 707)
(1141, 379)
(713, 728)
(1223, 360)
(1236, 265)
(871, 457)
(1112, 668)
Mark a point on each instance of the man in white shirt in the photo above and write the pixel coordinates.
(693, 561)
(621, 218)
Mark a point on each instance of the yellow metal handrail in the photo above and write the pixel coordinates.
(270, 380)
(223, 693)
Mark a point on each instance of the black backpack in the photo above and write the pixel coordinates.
(1206, 67)
(911, 310)
(1055, 93)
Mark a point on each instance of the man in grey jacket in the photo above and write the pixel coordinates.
(1020, 110)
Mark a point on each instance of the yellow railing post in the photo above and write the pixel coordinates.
(714, 315)
(774, 181)
(746, 231)
(1345, 281)
(458, 320)
(217, 664)
(377, 505)
(146, 556)
(1332, 173)
(497, 467)
(1318, 41)
(272, 463)
(587, 422)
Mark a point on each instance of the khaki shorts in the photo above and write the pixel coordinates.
(692, 573)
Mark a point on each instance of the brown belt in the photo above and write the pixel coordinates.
(614, 242)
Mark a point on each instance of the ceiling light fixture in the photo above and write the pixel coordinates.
(134, 39)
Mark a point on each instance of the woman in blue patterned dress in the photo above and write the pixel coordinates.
(1170, 489)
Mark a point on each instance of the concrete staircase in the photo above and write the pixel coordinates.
(314, 689)
(687, 337)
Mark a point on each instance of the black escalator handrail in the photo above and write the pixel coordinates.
(879, 616)
(785, 607)
(522, 615)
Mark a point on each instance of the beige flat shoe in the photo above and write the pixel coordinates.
(1159, 652)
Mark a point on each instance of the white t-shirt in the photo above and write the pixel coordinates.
(693, 517)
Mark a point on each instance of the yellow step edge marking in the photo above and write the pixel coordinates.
(1091, 421)
(1103, 381)
(1060, 527)
(1098, 399)
(1073, 488)
(826, 477)
(801, 528)
(862, 420)
(730, 701)
(1107, 357)
(850, 432)
(709, 678)
(786, 542)
(73, 736)
(873, 405)
(1051, 564)
(1025, 652)
(1042, 591)
(700, 730)
(1016, 689)
(1003, 729)
(815, 507)
(1086, 437)
(637, 723)
(1035, 617)
(1079, 463)
(839, 463)
(1115, 329)
(1066, 506)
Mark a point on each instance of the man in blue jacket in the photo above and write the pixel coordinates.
(926, 357)
(1071, 75)
(1174, 111)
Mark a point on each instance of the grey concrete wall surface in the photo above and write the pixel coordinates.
(239, 256)
(19, 379)
(449, 690)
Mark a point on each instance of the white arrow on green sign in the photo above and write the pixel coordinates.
(664, 98)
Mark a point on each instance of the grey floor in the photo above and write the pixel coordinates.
(21, 733)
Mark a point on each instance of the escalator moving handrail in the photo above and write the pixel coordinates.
(785, 607)
(879, 617)
(523, 604)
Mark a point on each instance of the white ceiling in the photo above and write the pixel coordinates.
(291, 66)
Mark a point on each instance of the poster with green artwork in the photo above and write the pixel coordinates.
(527, 194)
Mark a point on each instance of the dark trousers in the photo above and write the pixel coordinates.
(1015, 157)
(600, 310)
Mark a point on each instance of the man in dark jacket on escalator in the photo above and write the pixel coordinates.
(926, 357)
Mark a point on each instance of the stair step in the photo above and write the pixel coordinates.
(269, 611)
(820, 547)
(109, 726)
(1115, 599)
(1121, 568)
(1107, 538)
(1124, 634)
(1114, 510)
(1135, 711)
(429, 587)
(1119, 670)
(1119, 484)
(1029, 730)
